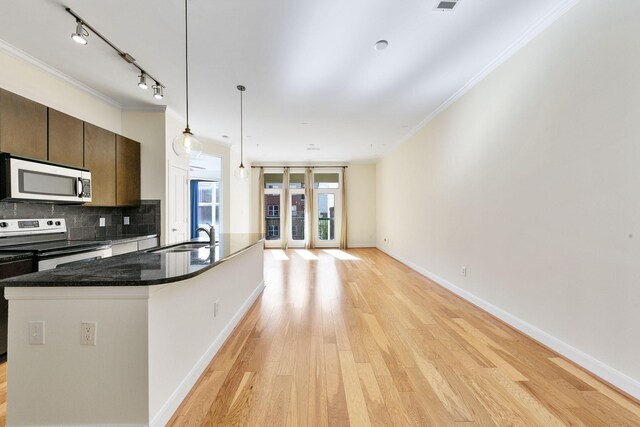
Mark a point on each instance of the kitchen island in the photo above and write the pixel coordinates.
(155, 320)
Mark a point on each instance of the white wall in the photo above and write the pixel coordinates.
(531, 180)
(242, 219)
(361, 205)
(25, 79)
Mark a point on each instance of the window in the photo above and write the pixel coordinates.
(273, 232)
(326, 180)
(273, 210)
(296, 180)
(205, 205)
(273, 180)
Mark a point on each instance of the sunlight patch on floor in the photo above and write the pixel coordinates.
(279, 255)
(306, 254)
(341, 255)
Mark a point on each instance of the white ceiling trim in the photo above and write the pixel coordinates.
(528, 35)
(25, 57)
(145, 108)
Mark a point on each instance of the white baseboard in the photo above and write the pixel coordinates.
(361, 245)
(611, 375)
(171, 405)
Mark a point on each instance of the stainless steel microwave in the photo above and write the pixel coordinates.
(34, 180)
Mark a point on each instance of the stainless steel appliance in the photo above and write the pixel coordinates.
(26, 179)
(47, 240)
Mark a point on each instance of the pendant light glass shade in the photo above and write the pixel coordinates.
(242, 173)
(187, 145)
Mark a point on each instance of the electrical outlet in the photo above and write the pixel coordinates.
(216, 308)
(125, 220)
(36, 332)
(463, 271)
(88, 333)
(103, 222)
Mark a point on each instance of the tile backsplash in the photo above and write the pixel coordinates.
(83, 222)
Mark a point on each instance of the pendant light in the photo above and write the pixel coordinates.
(241, 173)
(185, 144)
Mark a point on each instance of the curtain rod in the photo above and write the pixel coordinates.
(298, 167)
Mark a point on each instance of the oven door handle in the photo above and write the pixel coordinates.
(79, 187)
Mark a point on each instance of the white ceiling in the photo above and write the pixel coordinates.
(302, 61)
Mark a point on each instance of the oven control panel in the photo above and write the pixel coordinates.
(24, 227)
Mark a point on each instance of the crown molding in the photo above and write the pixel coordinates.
(144, 108)
(522, 41)
(25, 57)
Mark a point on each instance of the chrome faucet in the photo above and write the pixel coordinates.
(211, 232)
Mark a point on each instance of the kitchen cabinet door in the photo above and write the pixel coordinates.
(23, 126)
(127, 171)
(100, 159)
(66, 139)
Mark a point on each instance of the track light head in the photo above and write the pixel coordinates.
(142, 83)
(157, 91)
(80, 36)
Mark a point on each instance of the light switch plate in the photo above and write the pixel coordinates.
(125, 220)
(103, 222)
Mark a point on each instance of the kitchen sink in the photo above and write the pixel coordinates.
(183, 247)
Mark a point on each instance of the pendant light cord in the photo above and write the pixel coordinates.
(186, 55)
(241, 135)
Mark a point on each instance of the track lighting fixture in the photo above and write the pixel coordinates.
(80, 36)
(157, 91)
(142, 83)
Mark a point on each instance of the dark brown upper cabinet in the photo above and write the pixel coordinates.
(66, 139)
(127, 171)
(100, 159)
(23, 126)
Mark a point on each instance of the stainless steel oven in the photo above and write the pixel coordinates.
(46, 239)
(26, 179)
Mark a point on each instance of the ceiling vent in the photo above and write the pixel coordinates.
(446, 6)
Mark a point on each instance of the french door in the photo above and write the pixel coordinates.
(297, 218)
(323, 220)
(273, 218)
(326, 217)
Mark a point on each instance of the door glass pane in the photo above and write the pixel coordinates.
(205, 215)
(326, 216)
(297, 216)
(272, 216)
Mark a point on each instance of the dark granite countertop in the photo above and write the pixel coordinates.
(124, 239)
(153, 267)
(14, 256)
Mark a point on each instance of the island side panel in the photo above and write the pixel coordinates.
(65, 383)
(184, 335)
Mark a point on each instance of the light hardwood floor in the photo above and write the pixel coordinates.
(367, 341)
(356, 338)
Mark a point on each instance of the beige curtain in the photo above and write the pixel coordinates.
(284, 233)
(261, 203)
(308, 209)
(343, 219)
